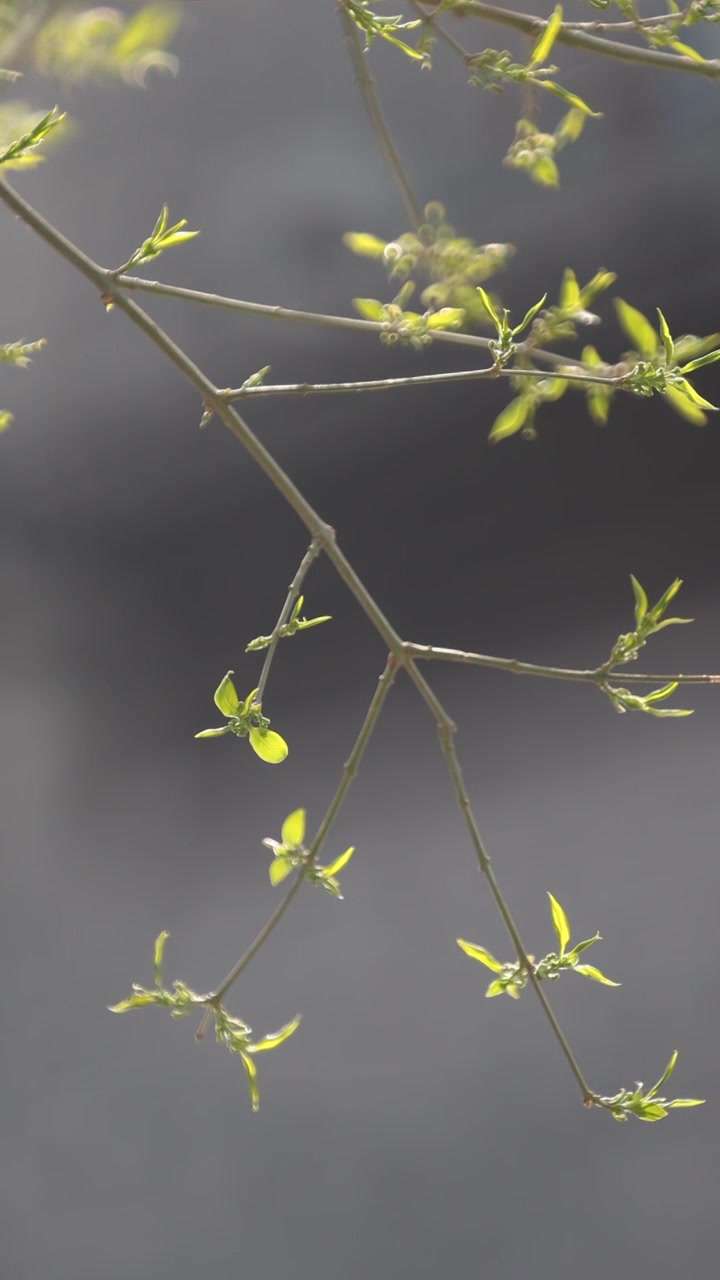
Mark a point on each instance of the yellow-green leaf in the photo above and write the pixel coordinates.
(225, 696)
(589, 971)
(279, 868)
(560, 924)
(685, 407)
(547, 39)
(251, 1076)
(512, 419)
(333, 867)
(365, 245)
(276, 1037)
(268, 745)
(158, 956)
(638, 328)
(293, 829)
(480, 953)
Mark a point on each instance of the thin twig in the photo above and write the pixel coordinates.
(348, 773)
(430, 20)
(293, 592)
(446, 731)
(160, 290)
(568, 34)
(596, 675)
(371, 99)
(419, 380)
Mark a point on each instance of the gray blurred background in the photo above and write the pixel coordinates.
(410, 1127)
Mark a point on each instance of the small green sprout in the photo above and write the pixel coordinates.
(161, 237)
(231, 1032)
(21, 152)
(512, 977)
(294, 624)
(648, 621)
(290, 853)
(246, 720)
(646, 1106)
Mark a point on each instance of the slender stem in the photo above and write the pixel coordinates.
(350, 767)
(420, 380)
(430, 20)
(292, 595)
(596, 675)
(446, 731)
(371, 99)
(349, 771)
(160, 290)
(257, 942)
(321, 533)
(569, 34)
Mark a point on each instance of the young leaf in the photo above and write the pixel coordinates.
(685, 407)
(275, 1038)
(213, 733)
(225, 696)
(589, 971)
(279, 868)
(560, 924)
(365, 245)
(668, 344)
(369, 308)
(530, 315)
(479, 953)
(665, 1075)
(637, 327)
(334, 867)
(512, 419)
(158, 956)
(247, 704)
(686, 1102)
(17, 152)
(701, 361)
(268, 745)
(569, 299)
(251, 1075)
(496, 988)
(293, 829)
(485, 299)
(641, 600)
(547, 39)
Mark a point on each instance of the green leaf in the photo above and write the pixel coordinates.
(369, 308)
(570, 127)
(279, 868)
(667, 596)
(571, 98)
(668, 344)
(446, 318)
(247, 704)
(225, 696)
(487, 303)
(687, 389)
(583, 946)
(589, 971)
(650, 1111)
(496, 988)
(276, 1038)
(17, 152)
(530, 315)
(333, 868)
(701, 361)
(686, 1102)
(251, 1076)
(158, 956)
(214, 733)
(641, 600)
(479, 953)
(365, 245)
(560, 924)
(685, 407)
(665, 1075)
(268, 745)
(637, 327)
(293, 829)
(135, 1001)
(304, 623)
(5, 419)
(512, 419)
(547, 39)
(569, 299)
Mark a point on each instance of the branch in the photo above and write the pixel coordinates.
(570, 34)
(321, 533)
(293, 592)
(596, 675)
(371, 99)
(419, 380)
(161, 290)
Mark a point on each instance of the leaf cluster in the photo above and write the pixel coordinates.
(294, 624)
(246, 720)
(513, 976)
(290, 853)
(648, 621)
